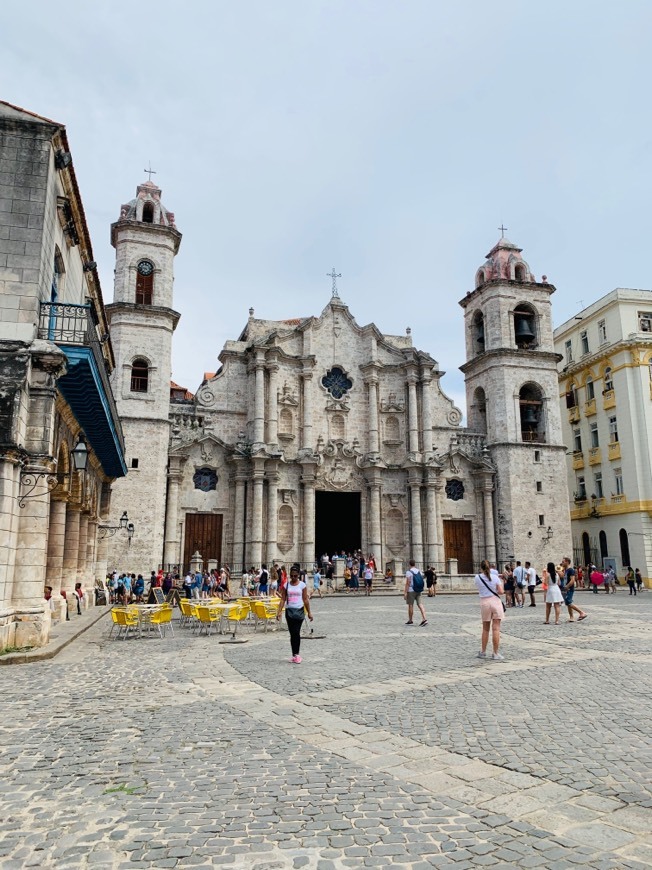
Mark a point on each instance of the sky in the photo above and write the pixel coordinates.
(389, 139)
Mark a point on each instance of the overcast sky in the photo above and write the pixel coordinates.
(387, 139)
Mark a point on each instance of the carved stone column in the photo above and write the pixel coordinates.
(239, 520)
(172, 546)
(440, 559)
(413, 415)
(415, 520)
(308, 549)
(272, 514)
(91, 545)
(306, 437)
(33, 622)
(374, 434)
(426, 411)
(256, 544)
(102, 555)
(486, 483)
(272, 404)
(375, 531)
(56, 540)
(431, 522)
(82, 551)
(71, 548)
(259, 399)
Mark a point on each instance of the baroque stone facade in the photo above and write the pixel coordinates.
(55, 353)
(318, 434)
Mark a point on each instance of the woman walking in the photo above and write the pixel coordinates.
(294, 597)
(491, 610)
(631, 580)
(553, 593)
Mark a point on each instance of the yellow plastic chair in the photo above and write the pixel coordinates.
(126, 621)
(115, 621)
(207, 617)
(186, 612)
(263, 614)
(236, 615)
(162, 619)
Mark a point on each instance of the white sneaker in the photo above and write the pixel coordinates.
(481, 655)
(496, 657)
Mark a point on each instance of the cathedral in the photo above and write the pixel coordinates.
(319, 434)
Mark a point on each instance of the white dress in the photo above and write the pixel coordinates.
(553, 595)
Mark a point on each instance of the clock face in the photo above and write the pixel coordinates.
(145, 267)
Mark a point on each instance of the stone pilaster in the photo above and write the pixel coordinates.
(431, 522)
(306, 436)
(33, 619)
(438, 485)
(485, 481)
(372, 398)
(56, 540)
(256, 544)
(259, 399)
(375, 532)
(272, 514)
(239, 519)
(81, 553)
(91, 546)
(172, 545)
(272, 405)
(413, 414)
(415, 520)
(426, 411)
(71, 548)
(308, 535)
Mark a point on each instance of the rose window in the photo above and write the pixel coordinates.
(336, 382)
(455, 490)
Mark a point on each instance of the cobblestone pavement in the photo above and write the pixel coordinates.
(390, 745)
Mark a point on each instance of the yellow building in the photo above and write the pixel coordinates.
(605, 380)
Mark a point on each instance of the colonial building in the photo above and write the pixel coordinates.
(61, 443)
(605, 378)
(318, 434)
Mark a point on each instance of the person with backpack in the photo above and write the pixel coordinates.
(412, 593)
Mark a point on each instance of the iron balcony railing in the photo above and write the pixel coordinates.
(73, 325)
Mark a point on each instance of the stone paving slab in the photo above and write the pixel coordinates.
(185, 753)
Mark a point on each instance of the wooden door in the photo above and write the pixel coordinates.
(203, 535)
(458, 544)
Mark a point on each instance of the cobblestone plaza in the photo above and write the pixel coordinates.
(390, 745)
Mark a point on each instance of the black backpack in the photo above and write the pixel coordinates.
(417, 580)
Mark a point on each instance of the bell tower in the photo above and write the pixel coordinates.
(142, 322)
(512, 396)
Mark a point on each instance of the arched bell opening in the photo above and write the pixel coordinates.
(525, 327)
(478, 332)
(530, 400)
(478, 416)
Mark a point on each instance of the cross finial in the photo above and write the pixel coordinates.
(150, 171)
(334, 275)
(502, 231)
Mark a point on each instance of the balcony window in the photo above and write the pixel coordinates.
(595, 441)
(577, 441)
(602, 331)
(568, 351)
(584, 342)
(608, 380)
(590, 389)
(618, 480)
(580, 493)
(613, 430)
(597, 484)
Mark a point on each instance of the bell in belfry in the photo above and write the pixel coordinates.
(529, 416)
(523, 330)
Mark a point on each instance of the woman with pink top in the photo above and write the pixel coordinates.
(294, 597)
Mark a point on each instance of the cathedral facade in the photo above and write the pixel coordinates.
(318, 435)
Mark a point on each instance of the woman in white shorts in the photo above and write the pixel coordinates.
(553, 593)
(491, 609)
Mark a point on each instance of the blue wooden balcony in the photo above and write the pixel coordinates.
(86, 385)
